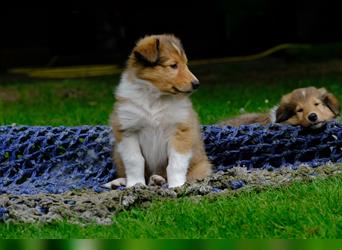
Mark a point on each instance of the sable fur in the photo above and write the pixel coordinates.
(295, 109)
(152, 105)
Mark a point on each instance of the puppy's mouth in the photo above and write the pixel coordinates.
(178, 91)
(317, 124)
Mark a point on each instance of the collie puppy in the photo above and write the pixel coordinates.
(308, 107)
(156, 130)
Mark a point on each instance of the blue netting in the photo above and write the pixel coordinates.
(57, 159)
(272, 146)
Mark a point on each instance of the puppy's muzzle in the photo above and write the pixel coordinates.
(313, 117)
(195, 84)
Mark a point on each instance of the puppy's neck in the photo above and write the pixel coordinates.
(140, 91)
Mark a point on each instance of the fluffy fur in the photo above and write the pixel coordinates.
(156, 129)
(308, 107)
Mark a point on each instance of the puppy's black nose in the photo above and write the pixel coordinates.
(312, 117)
(195, 84)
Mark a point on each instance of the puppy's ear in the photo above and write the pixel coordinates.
(285, 109)
(284, 112)
(147, 51)
(330, 101)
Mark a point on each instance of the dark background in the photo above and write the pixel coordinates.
(81, 34)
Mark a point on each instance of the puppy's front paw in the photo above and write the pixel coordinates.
(156, 180)
(115, 183)
(132, 182)
(175, 179)
(176, 184)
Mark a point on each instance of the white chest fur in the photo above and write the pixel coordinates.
(151, 116)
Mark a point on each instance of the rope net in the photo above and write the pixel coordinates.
(38, 159)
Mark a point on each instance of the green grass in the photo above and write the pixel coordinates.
(225, 90)
(66, 102)
(299, 211)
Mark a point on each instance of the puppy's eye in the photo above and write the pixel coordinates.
(299, 110)
(174, 66)
(317, 103)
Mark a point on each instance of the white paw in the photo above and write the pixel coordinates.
(175, 178)
(115, 183)
(174, 184)
(156, 180)
(131, 182)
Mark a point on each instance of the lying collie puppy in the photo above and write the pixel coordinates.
(156, 130)
(308, 107)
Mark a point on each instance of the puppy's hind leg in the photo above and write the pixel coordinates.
(199, 170)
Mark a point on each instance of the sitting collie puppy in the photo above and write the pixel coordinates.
(156, 130)
(308, 107)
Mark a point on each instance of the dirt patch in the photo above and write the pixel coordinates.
(86, 206)
(9, 95)
(68, 93)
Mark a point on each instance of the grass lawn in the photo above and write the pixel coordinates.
(302, 210)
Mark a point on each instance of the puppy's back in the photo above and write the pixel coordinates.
(260, 118)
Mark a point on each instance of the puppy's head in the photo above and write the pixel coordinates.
(161, 60)
(308, 107)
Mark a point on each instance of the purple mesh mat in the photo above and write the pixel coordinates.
(57, 159)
